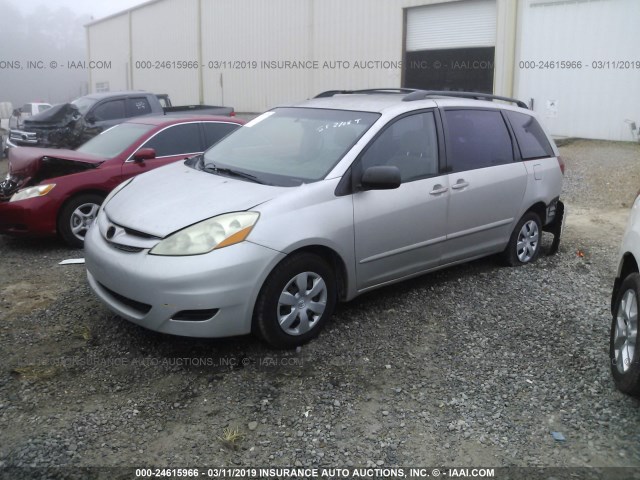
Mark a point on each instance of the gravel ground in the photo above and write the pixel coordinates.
(472, 366)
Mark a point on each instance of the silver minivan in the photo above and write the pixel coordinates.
(319, 202)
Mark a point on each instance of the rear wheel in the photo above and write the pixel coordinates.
(524, 244)
(295, 301)
(77, 216)
(624, 347)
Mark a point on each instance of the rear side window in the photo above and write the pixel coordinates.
(411, 144)
(177, 140)
(477, 139)
(531, 138)
(138, 106)
(214, 132)
(111, 110)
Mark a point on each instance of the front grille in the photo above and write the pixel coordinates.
(136, 233)
(143, 308)
(195, 315)
(126, 248)
(25, 137)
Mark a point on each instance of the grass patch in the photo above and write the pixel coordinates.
(231, 437)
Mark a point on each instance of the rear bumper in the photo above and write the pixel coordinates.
(558, 212)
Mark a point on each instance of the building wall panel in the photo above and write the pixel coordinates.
(583, 102)
(240, 34)
(109, 41)
(165, 32)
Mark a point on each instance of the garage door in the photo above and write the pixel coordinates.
(451, 46)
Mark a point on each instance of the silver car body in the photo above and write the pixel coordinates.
(374, 237)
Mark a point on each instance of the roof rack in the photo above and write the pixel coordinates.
(331, 93)
(423, 94)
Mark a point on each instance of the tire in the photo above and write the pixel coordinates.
(281, 309)
(527, 234)
(624, 346)
(77, 216)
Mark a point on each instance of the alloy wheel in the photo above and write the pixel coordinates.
(302, 303)
(626, 331)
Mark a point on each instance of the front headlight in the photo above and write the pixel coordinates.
(32, 192)
(217, 232)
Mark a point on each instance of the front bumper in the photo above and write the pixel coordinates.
(34, 216)
(151, 290)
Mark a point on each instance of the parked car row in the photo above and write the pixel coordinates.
(305, 206)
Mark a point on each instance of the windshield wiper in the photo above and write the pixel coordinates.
(232, 173)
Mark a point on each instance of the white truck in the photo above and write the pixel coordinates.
(26, 111)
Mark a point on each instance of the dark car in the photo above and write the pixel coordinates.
(49, 191)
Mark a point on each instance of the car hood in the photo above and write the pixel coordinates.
(58, 115)
(173, 197)
(29, 166)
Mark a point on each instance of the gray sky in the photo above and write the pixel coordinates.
(95, 8)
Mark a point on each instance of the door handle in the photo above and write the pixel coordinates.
(438, 189)
(460, 184)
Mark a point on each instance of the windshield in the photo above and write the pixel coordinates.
(84, 104)
(289, 146)
(114, 141)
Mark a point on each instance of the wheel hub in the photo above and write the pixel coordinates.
(626, 331)
(528, 241)
(82, 218)
(302, 303)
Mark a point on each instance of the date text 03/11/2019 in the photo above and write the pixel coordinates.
(315, 472)
(579, 65)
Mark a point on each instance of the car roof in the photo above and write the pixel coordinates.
(374, 102)
(166, 120)
(392, 101)
(100, 96)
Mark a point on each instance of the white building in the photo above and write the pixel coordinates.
(576, 62)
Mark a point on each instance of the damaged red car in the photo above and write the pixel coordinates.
(51, 191)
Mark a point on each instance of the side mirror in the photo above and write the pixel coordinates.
(91, 118)
(144, 154)
(381, 178)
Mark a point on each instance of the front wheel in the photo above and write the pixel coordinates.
(524, 244)
(77, 216)
(624, 346)
(295, 301)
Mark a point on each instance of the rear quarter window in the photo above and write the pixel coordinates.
(477, 139)
(531, 138)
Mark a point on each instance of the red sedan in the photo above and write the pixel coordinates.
(49, 191)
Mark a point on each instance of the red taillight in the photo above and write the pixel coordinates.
(561, 163)
(232, 114)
